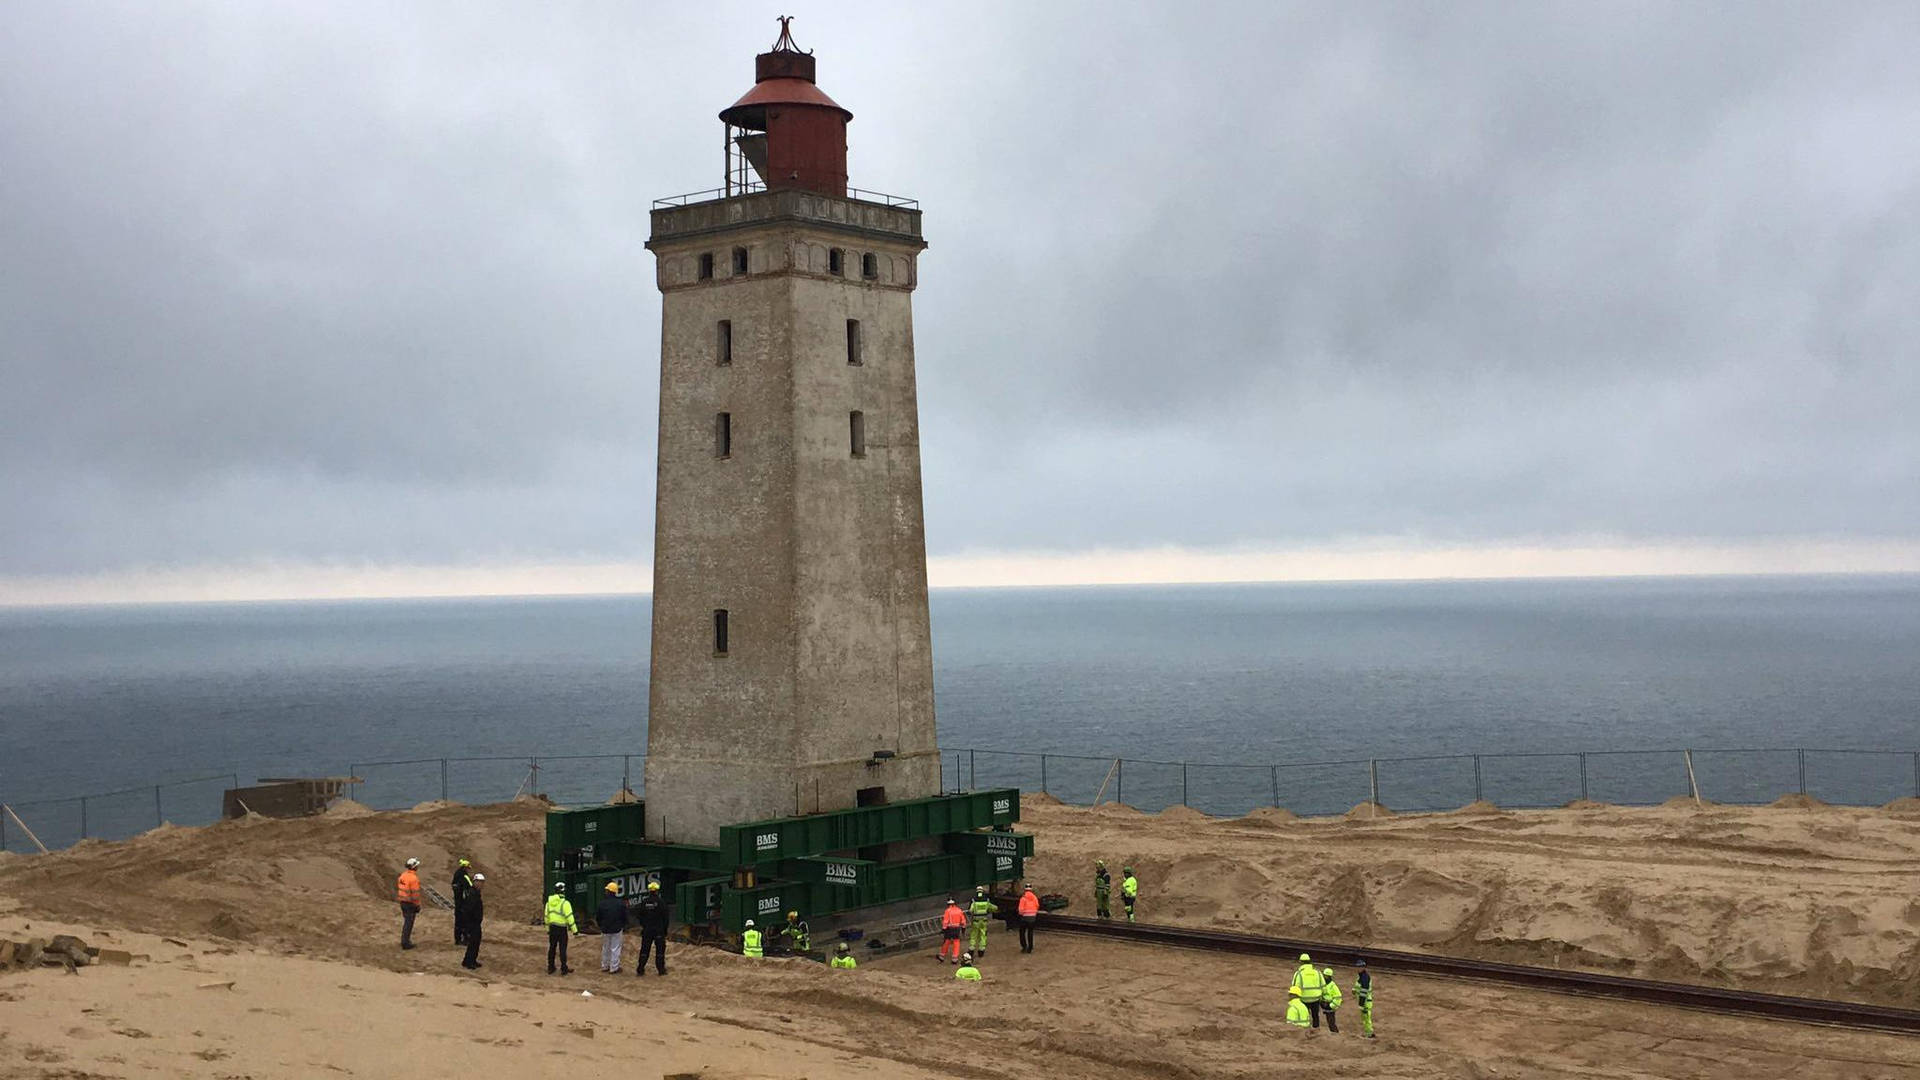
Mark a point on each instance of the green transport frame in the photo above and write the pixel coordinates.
(812, 864)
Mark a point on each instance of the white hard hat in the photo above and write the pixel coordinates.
(749, 923)
(479, 877)
(412, 863)
(560, 886)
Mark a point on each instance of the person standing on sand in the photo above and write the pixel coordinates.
(979, 912)
(653, 916)
(1129, 890)
(611, 918)
(462, 881)
(559, 924)
(1363, 996)
(469, 915)
(843, 958)
(1309, 984)
(953, 922)
(1102, 890)
(1330, 1001)
(1028, 910)
(407, 891)
(751, 943)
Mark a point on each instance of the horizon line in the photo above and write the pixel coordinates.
(1373, 561)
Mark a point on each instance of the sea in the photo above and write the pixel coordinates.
(1317, 697)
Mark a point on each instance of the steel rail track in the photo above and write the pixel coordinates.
(1587, 984)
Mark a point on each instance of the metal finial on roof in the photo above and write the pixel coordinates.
(785, 44)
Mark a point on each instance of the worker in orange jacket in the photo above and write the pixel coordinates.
(1028, 910)
(407, 892)
(953, 923)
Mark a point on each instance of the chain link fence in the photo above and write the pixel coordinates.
(1310, 789)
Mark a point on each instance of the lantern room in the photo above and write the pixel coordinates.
(785, 133)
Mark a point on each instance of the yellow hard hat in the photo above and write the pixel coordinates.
(1294, 990)
(613, 886)
(793, 914)
(653, 886)
(1304, 958)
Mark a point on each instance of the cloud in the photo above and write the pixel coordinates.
(355, 284)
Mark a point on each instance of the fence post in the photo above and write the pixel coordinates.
(1120, 780)
(1916, 775)
(83, 817)
(1275, 770)
(1583, 778)
(158, 820)
(1801, 757)
(1476, 778)
(973, 772)
(1373, 785)
(443, 779)
(626, 772)
(1043, 774)
(1692, 784)
(353, 774)
(3, 825)
(1183, 784)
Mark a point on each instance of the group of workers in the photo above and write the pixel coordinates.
(1314, 994)
(469, 910)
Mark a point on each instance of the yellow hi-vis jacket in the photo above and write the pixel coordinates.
(969, 973)
(560, 912)
(750, 943)
(1330, 997)
(847, 962)
(1297, 1014)
(1309, 982)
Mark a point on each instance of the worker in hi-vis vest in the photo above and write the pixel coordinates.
(967, 972)
(1311, 984)
(1102, 890)
(750, 943)
(978, 913)
(1363, 996)
(953, 923)
(559, 925)
(1296, 1009)
(1029, 913)
(843, 958)
(1129, 890)
(1330, 1000)
(407, 892)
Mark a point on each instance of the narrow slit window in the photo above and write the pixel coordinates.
(739, 260)
(723, 435)
(857, 432)
(724, 354)
(834, 264)
(869, 266)
(853, 343)
(719, 631)
(706, 266)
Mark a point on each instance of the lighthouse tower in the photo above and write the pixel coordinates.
(792, 668)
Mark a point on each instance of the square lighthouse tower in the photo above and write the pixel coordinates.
(792, 665)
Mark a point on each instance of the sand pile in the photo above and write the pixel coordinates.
(1479, 807)
(346, 808)
(1687, 802)
(1789, 903)
(1368, 811)
(1587, 804)
(1181, 813)
(1906, 804)
(431, 805)
(1270, 815)
(1796, 801)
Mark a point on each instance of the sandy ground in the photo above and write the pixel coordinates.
(1810, 901)
(297, 916)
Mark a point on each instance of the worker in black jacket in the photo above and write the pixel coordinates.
(469, 914)
(652, 915)
(462, 881)
(611, 917)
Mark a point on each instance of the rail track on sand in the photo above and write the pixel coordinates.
(1840, 1014)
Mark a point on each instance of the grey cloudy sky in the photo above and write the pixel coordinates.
(366, 282)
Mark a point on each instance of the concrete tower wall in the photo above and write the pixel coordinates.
(816, 552)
